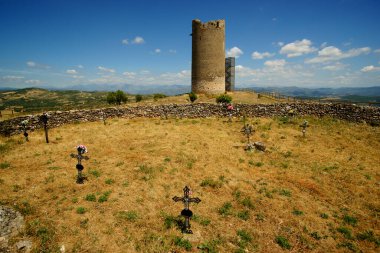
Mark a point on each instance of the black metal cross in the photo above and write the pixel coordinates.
(248, 131)
(187, 213)
(44, 119)
(24, 123)
(79, 165)
(304, 125)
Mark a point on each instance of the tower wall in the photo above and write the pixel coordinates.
(230, 74)
(208, 57)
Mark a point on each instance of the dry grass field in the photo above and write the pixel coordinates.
(315, 194)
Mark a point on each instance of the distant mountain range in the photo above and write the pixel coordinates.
(180, 89)
(320, 92)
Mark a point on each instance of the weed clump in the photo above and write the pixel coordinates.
(283, 242)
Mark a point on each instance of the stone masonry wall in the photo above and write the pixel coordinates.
(198, 110)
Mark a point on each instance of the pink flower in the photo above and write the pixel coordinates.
(230, 107)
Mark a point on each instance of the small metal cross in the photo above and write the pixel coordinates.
(44, 119)
(304, 125)
(79, 165)
(248, 131)
(24, 123)
(187, 213)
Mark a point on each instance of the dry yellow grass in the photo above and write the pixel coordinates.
(142, 163)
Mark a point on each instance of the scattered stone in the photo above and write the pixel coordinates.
(11, 223)
(25, 245)
(259, 146)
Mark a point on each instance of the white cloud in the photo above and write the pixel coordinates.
(125, 41)
(297, 48)
(71, 71)
(324, 44)
(275, 63)
(172, 51)
(242, 71)
(256, 55)
(104, 69)
(370, 68)
(31, 64)
(80, 66)
(34, 82)
(280, 43)
(12, 78)
(157, 50)
(377, 51)
(335, 67)
(332, 53)
(234, 52)
(138, 40)
(129, 74)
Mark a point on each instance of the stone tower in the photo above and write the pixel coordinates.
(208, 57)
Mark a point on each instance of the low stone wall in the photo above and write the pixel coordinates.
(198, 110)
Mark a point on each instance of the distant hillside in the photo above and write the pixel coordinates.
(320, 92)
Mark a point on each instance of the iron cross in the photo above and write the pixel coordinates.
(79, 165)
(187, 213)
(44, 119)
(247, 130)
(304, 125)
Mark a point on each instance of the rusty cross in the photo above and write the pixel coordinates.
(304, 125)
(44, 119)
(79, 165)
(247, 130)
(187, 213)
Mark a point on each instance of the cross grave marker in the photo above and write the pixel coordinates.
(24, 123)
(81, 150)
(304, 125)
(186, 212)
(44, 119)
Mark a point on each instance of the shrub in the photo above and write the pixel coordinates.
(350, 220)
(4, 165)
(345, 232)
(117, 97)
(224, 99)
(225, 209)
(138, 98)
(248, 203)
(244, 215)
(192, 97)
(283, 242)
(183, 243)
(90, 197)
(109, 181)
(81, 210)
(158, 96)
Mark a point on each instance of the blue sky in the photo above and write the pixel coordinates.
(308, 43)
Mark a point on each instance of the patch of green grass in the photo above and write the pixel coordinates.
(284, 192)
(316, 235)
(24, 208)
(4, 165)
(324, 216)
(260, 217)
(109, 181)
(127, 215)
(368, 236)
(95, 173)
(125, 183)
(81, 210)
(349, 245)
(350, 220)
(241, 160)
(74, 200)
(346, 232)
(244, 235)
(283, 242)
(226, 209)
(236, 194)
(183, 243)
(244, 215)
(287, 154)
(54, 168)
(201, 220)
(171, 221)
(104, 197)
(90, 197)
(209, 246)
(297, 212)
(167, 159)
(247, 203)
(211, 183)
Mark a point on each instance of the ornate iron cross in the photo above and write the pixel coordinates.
(304, 125)
(187, 213)
(79, 165)
(44, 119)
(23, 124)
(248, 131)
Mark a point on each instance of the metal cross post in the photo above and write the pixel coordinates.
(304, 125)
(248, 131)
(24, 123)
(44, 118)
(79, 165)
(187, 213)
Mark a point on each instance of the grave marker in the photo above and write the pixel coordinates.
(81, 150)
(186, 212)
(304, 125)
(24, 123)
(44, 119)
(247, 130)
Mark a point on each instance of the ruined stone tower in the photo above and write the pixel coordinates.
(208, 57)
